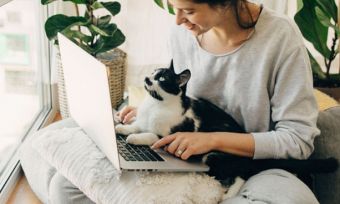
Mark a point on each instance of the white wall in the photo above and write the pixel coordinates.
(146, 27)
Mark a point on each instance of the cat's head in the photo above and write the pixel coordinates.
(164, 83)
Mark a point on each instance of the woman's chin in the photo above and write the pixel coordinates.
(195, 31)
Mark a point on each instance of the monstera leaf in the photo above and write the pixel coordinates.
(315, 19)
(312, 29)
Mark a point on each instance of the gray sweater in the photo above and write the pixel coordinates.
(265, 84)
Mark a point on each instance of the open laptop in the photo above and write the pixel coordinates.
(87, 89)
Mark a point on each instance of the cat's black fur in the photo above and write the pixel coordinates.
(213, 119)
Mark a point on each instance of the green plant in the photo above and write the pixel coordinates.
(95, 34)
(160, 3)
(315, 19)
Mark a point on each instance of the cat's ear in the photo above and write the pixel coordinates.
(171, 67)
(184, 77)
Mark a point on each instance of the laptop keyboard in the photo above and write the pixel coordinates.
(136, 152)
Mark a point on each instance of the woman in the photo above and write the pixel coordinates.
(253, 64)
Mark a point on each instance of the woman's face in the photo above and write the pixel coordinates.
(198, 18)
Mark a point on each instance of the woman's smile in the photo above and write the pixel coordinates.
(189, 26)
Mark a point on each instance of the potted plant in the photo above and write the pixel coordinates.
(95, 34)
(316, 18)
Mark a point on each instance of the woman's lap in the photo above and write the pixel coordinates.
(271, 186)
(274, 186)
(62, 191)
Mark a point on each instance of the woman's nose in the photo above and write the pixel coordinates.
(179, 18)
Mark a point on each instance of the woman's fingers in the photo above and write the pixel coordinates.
(126, 114)
(187, 153)
(164, 141)
(173, 146)
(181, 149)
(128, 117)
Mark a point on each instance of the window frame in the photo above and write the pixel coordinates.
(13, 171)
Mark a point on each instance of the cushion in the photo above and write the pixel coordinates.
(37, 170)
(78, 159)
(324, 101)
(327, 186)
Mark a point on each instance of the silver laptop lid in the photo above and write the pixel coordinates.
(89, 101)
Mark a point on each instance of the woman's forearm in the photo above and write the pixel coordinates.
(241, 144)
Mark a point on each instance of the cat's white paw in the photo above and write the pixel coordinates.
(142, 139)
(135, 139)
(122, 129)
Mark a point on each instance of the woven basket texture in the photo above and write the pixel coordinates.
(63, 104)
(116, 68)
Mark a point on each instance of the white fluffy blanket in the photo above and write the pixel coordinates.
(76, 157)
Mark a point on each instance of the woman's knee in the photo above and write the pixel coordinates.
(274, 186)
(62, 191)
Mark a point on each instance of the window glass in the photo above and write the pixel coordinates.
(22, 95)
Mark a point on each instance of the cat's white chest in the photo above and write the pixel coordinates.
(154, 116)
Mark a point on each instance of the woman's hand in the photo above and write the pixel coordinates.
(126, 114)
(186, 144)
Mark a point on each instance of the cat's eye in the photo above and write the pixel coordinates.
(161, 79)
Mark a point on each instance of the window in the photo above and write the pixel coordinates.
(25, 98)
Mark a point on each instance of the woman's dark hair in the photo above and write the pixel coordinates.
(237, 6)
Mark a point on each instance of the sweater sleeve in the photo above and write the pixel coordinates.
(293, 111)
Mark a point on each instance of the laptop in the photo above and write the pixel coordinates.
(87, 89)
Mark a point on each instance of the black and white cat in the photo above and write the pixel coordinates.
(166, 110)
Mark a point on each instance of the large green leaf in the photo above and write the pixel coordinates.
(79, 1)
(112, 7)
(97, 30)
(109, 43)
(59, 22)
(299, 5)
(325, 20)
(110, 29)
(170, 8)
(311, 28)
(107, 30)
(104, 20)
(44, 2)
(317, 71)
(159, 3)
(75, 34)
(97, 5)
(329, 8)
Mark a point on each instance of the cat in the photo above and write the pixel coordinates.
(167, 109)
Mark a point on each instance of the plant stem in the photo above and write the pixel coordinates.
(331, 56)
(90, 12)
(77, 13)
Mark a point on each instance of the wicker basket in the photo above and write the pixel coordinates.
(116, 69)
(63, 104)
